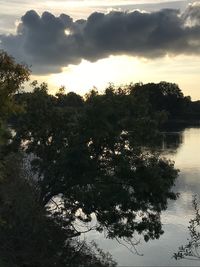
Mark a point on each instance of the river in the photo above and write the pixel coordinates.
(183, 147)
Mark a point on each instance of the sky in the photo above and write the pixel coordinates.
(84, 44)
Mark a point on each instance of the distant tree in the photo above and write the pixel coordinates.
(162, 96)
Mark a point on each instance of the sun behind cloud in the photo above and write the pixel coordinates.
(87, 75)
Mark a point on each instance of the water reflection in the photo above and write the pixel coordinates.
(191, 250)
(183, 147)
(170, 142)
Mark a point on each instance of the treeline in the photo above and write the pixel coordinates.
(168, 98)
(162, 103)
(71, 164)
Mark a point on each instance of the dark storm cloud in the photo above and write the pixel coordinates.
(48, 42)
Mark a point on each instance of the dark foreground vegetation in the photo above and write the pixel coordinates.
(71, 164)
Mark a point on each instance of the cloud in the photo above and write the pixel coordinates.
(49, 42)
(192, 14)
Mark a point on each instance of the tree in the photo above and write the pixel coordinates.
(90, 155)
(162, 96)
(32, 234)
(12, 76)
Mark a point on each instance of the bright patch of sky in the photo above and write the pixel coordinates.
(119, 70)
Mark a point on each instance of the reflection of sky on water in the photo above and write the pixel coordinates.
(175, 219)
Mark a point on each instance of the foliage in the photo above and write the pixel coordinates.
(12, 76)
(160, 97)
(31, 235)
(191, 251)
(90, 153)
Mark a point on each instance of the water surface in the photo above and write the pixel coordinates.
(184, 148)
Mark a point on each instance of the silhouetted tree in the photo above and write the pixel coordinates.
(12, 76)
(31, 234)
(89, 154)
(162, 96)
